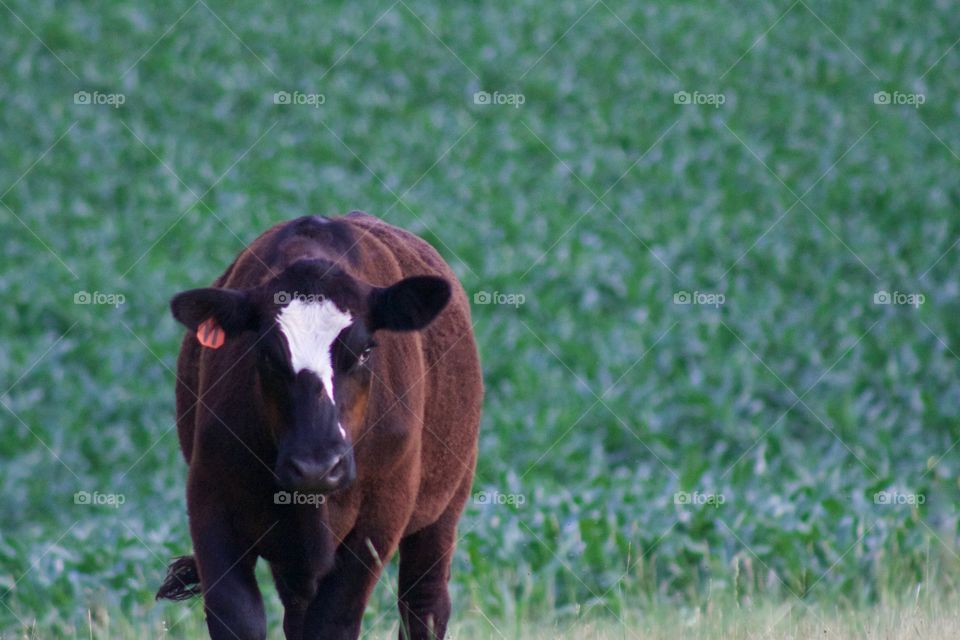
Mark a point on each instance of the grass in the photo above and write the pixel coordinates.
(934, 619)
(796, 401)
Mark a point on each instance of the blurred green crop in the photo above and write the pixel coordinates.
(782, 436)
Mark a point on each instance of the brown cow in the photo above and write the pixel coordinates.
(309, 447)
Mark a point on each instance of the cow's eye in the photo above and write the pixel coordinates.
(365, 354)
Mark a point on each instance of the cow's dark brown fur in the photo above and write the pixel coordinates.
(414, 437)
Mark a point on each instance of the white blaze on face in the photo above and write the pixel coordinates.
(310, 329)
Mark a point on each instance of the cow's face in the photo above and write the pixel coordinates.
(315, 356)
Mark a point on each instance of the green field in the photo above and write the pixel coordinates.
(775, 459)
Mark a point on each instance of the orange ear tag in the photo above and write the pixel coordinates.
(210, 334)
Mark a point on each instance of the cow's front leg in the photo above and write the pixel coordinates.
(296, 590)
(296, 583)
(226, 562)
(336, 611)
(300, 550)
(231, 597)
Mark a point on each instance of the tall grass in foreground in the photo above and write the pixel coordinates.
(934, 618)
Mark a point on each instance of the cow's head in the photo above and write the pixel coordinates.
(314, 349)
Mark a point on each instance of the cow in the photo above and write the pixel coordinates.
(328, 399)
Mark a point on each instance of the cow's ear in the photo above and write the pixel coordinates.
(408, 305)
(231, 309)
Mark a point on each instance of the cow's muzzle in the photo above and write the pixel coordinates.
(333, 473)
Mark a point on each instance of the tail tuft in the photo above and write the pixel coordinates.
(182, 581)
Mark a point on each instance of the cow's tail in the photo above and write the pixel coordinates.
(182, 581)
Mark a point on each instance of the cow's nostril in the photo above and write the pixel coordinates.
(297, 467)
(336, 471)
(303, 468)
